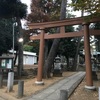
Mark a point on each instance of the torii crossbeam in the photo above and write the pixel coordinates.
(61, 24)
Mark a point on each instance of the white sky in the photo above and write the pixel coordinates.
(28, 2)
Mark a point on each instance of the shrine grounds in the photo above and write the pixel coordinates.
(30, 88)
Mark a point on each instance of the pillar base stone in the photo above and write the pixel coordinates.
(39, 82)
(90, 87)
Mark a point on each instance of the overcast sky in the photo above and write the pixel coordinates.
(28, 2)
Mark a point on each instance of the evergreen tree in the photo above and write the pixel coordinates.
(16, 10)
(6, 35)
(91, 7)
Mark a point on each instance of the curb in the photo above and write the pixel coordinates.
(53, 93)
(75, 84)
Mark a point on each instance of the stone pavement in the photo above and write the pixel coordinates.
(53, 92)
(1, 98)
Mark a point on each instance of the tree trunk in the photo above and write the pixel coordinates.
(54, 47)
(16, 55)
(20, 49)
(98, 44)
(78, 45)
(76, 55)
(68, 67)
(45, 56)
(46, 49)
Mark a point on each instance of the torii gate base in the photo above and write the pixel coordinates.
(41, 55)
(61, 24)
(39, 82)
(90, 87)
(88, 58)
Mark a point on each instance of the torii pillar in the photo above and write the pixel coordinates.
(89, 80)
(41, 59)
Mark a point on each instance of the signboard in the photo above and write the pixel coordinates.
(6, 62)
(3, 63)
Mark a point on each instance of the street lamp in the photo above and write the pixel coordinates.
(20, 40)
(14, 24)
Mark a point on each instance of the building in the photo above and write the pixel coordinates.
(29, 58)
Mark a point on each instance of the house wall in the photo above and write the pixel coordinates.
(28, 60)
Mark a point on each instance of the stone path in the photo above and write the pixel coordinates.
(1, 98)
(53, 92)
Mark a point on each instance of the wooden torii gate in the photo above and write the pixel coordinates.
(61, 24)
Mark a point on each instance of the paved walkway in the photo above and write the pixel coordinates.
(53, 92)
(1, 98)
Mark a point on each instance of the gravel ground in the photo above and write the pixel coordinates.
(82, 94)
(30, 87)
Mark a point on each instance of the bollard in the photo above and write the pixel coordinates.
(20, 88)
(1, 80)
(99, 93)
(10, 81)
(63, 95)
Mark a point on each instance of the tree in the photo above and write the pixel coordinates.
(6, 35)
(55, 45)
(16, 10)
(97, 26)
(92, 7)
(37, 11)
(42, 11)
(27, 48)
(32, 47)
(68, 46)
(75, 7)
(67, 49)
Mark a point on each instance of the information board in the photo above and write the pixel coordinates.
(6, 62)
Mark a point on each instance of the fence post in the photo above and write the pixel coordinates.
(1, 80)
(63, 95)
(99, 93)
(10, 81)
(20, 88)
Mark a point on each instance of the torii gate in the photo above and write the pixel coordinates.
(61, 24)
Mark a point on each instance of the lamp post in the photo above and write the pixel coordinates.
(11, 73)
(14, 24)
(13, 38)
